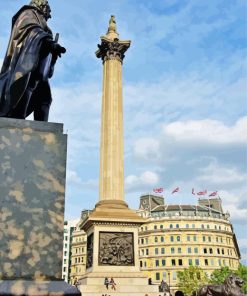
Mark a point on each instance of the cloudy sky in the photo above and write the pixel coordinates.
(185, 98)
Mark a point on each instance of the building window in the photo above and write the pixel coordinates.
(188, 238)
(164, 276)
(193, 226)
(180, 262)
(142, 241)
(217, 240)
(171, 226)
(190, 262)
(155, 227)
(210, 250)
(147, 252)
(177, 225)
(212, 262)
(66, 238)
(65, 246)
(202, 226)
(172, 250)
(209, 239)
(65, 253)
(194, 238)
(173, 262)
(141, 264)
(187, 226)
(64, 269)
(196, 250)
(172, 239)
(163, 262)
(204, 238)
(146, 240)
(189, 250)
(156, 251)
(156, 239)
(208, 227)
(206, 262)
(218, 251)
(179, 250)
(174, 275)
(161, 226)
(197, 262)
(205, 250)
(178, 238)
(162, 239)
(222, 252)
(157, 263)
(162, 250)
(219, 262)
(157, 276)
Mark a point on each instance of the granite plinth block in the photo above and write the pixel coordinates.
(32, 190)
(37, 288)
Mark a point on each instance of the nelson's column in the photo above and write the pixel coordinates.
(112, 228)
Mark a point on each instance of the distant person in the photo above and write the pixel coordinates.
(113, 284)
(106, 282)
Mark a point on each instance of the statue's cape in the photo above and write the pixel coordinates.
(29, 29)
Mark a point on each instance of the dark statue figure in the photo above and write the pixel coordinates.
(29, 63)
(231, 287)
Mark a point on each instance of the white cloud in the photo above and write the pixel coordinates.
(200, 154)
(146, 148)
(208, 130)
(142, 182)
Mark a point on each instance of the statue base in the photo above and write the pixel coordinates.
(37, 288)
(32, 190)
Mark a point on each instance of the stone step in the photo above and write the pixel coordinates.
(119, 281)
(115, 293)
(119, 289)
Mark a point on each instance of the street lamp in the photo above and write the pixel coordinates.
(169, 279)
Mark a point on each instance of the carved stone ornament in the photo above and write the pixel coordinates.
(116, 248)
(112, 49)
(89, 251)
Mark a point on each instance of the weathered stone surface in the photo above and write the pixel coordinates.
(32, 188)
(36, 288)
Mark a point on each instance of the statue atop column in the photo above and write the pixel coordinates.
(29, 63)
(111, 47)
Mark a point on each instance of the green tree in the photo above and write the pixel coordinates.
(242, 272)
(191, 279)
(218, 276)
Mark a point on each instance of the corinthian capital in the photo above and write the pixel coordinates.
(112, 49)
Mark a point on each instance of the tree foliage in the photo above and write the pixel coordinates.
(191, 279)
(219, 275)
(242, 272)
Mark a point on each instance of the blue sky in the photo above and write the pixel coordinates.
(184, 88)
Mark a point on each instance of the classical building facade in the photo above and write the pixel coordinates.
(78, 253)
(177, 236)
(69, 227)
(172, 238)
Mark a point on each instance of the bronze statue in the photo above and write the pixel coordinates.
(29, 62)
(231, 287)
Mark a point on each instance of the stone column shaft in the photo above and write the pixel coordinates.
(112, 151)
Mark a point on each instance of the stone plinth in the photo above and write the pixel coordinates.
(32, 189)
